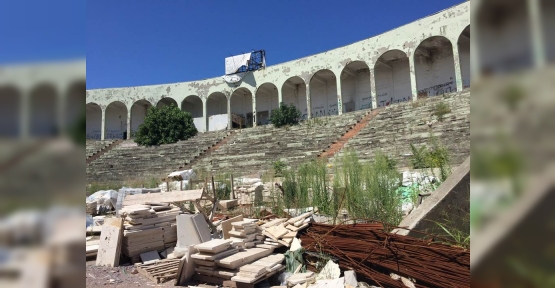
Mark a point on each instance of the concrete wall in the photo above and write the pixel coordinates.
(94, 121)
(217, 122)
(449, 202)
(448, 23)
(138, 114)
(297, 97)
(356, 93)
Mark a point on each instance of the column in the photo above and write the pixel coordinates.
(254, 109)
(229, 125)
(103, 124)
(24, 115)
(412, 77)
(474, 56)
(308, 106)
(538, 44)
(62, 115)
(458, 73)
(339, 99)
(280, 96)
(373, 94)
(204, 113)
(129, 123)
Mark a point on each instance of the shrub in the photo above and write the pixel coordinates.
(440, 110)
(285, 115)
(434, 156)
(165, 125)
(279, 167)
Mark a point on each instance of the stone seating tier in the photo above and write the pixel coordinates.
(93, 146)
(128, 161)
(398, 126)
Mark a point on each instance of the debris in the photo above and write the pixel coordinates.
(429, 264)
(150, 257)
(105, 200)
(191, 230)
(110, 243)
(226, 225)
(350, 279)
(301, 278)
(159, 271)
(170, 197)
(330, 271)
(264, 267)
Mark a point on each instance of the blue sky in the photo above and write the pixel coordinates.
(144, 42)
(34, 30)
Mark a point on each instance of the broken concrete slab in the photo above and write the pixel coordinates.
(110, 243)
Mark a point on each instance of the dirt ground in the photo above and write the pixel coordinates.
(118, 277)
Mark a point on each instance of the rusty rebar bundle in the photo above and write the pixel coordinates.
(375, 254)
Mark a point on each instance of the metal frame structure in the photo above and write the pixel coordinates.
(256, 62)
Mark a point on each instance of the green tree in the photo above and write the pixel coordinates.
(165, 125)
(285, 115)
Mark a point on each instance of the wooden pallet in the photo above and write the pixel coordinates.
(161, 271)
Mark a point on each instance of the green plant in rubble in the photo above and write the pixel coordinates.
(285, 115)
(278, 166)
(434, 155)
(165, 125)
(440, 110)
(381, 182)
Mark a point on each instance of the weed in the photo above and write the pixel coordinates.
(278, 166)
(440, 110)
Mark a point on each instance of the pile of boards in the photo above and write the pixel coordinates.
(262, 268)
(209, 253)
(282, 231)
(148, 227)
(220, 260)
(246, 234)
(159, 271)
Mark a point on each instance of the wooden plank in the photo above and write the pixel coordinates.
(186, 268)
(214, 246)
(213, 257)
(295, 229)
(226, 225)
(242, 258)
(110, 243)
(173, 196)
(277, 231)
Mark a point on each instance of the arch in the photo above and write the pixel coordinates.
(323, 93)
(166, 101)
(355, 87)
(216, 111)
(267, 99)
(293, 91)
(434, 67)
(94, 121)
(139, 110)
(241, 108)
(193, 105)
(463, 44)
(43, 111)
(115, 121)
(75, 100)
(504, 38)
(10, 97)
(392, 78)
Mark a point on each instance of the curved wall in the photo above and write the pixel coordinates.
(323, 91)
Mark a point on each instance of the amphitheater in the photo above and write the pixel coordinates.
(375, 94)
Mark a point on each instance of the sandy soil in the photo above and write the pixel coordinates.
(118, 277)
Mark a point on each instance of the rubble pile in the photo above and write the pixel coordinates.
(147, 228)
(246, 234)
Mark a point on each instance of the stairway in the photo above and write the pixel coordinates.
(103, 150)
(355, 129)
